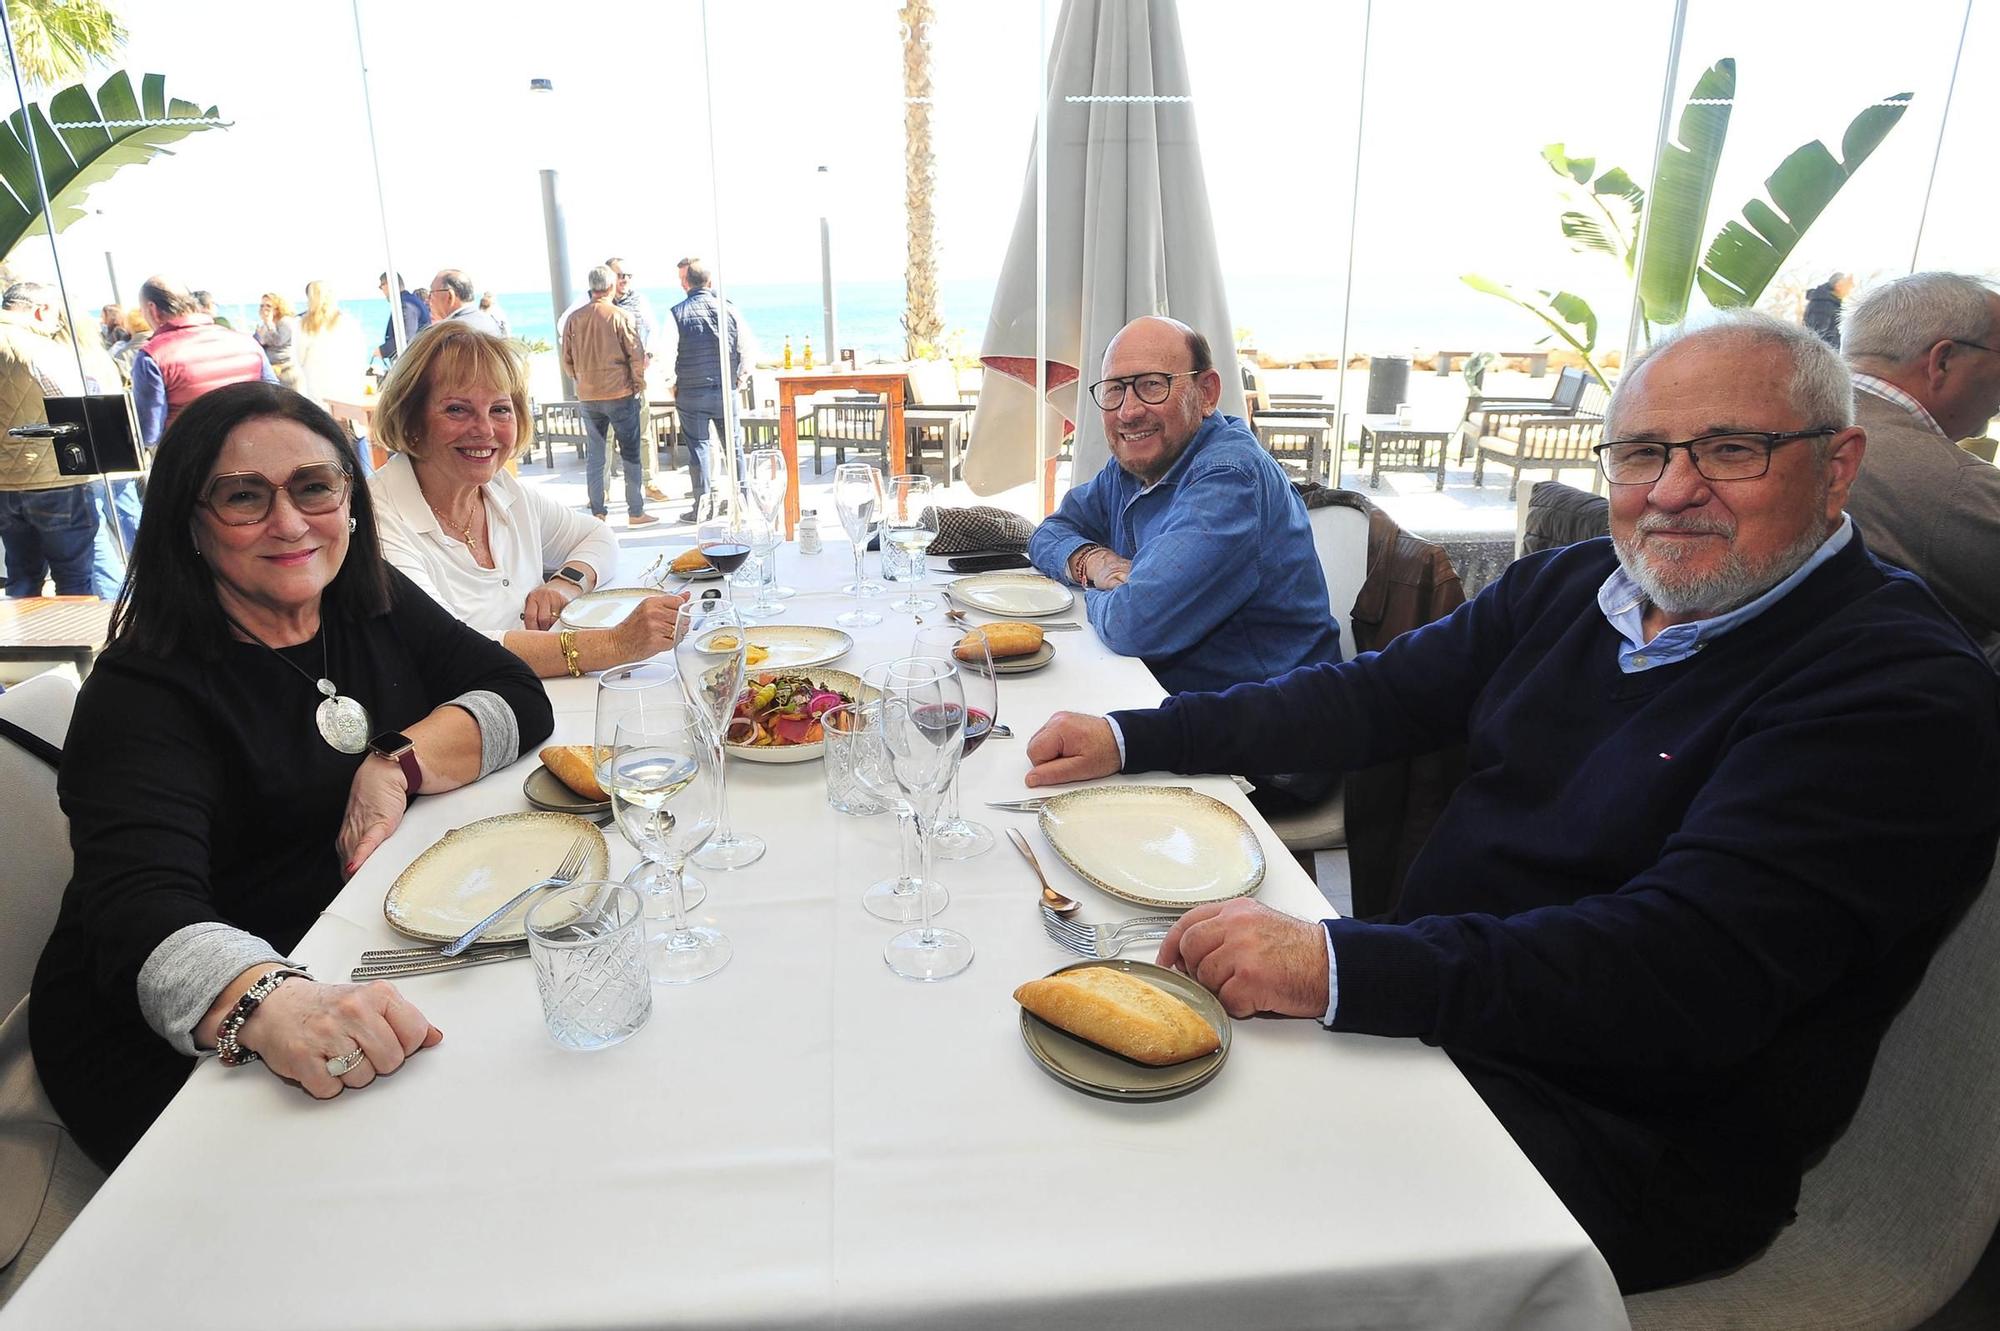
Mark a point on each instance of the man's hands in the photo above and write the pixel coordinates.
(1253, 958)
(1071, 747)
(1095, 566)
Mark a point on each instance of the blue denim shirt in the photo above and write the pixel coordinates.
(1225, 586)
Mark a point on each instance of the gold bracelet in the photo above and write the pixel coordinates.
(568, 640)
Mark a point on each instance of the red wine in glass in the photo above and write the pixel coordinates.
(726, 555)
(978, 725)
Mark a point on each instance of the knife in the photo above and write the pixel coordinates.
(1035, 805)
(399, 970)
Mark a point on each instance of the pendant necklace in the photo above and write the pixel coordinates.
(462, 530)
(343, 722)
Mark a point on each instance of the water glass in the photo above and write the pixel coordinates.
(905, 504)
(588, 945)
(848, 742)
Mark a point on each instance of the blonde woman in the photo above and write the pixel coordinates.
(277, 329)
(330, 352)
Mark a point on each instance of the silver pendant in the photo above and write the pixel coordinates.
(343, 722)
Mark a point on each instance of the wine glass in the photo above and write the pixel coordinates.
(768, 483)
(923, 733)
(957, 837)
(710, 645)
(903, 526)
(664, 784)
(761, 571)
(724, 545)
(857, 496)
(626, 691)
(896, 898)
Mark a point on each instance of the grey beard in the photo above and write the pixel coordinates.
(1736, 583)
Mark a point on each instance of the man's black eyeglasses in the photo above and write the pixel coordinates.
(1152, 388)
(1968, 342)
(1742, 456)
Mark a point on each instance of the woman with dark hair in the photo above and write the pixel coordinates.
(271, 697)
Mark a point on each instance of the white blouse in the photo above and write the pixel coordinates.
(530, 536)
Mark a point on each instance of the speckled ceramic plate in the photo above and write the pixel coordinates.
(848, 686)
(1155, 845)
(1012, 595)
(792, 646)
(1025, 665)
(473, 869)
(545, 790)
(1097, 1071)
(603, 609)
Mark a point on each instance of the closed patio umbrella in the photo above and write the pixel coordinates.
(1129, 233)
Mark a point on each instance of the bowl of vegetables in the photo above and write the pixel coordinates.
(777, 715)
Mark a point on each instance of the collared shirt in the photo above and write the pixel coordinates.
(1624, 604)
(1888, 392)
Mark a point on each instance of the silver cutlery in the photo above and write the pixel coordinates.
(1035, 805)
(1052, 900)
(389, 956)
(960, 618)
(436, 964)
(1104, 940)
(565, 874)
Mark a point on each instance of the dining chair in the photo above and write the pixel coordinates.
(45, 1178)
(1899, 1210)
(850, 423)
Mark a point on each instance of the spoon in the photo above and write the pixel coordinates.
(1051, 898)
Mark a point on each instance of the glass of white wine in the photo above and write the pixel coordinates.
(625, 691)
(663, 786)
(903, 527)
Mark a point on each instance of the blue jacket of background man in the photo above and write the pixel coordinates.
(698, 360)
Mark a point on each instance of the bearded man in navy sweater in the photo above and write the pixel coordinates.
(1730, 781)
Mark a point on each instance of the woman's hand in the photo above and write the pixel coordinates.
(546, 602)
(648, 630)
(376, 802)
(303, 1024)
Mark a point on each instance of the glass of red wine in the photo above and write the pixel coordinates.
(726, 546)
(956, 837)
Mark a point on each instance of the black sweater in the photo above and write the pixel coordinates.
(1686, 902)
(200, 790)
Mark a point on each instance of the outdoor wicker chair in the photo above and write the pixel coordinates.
(1490, 413)
(1541, 443)
(557, 422)
(854, 423)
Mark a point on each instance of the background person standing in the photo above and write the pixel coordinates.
(602, 355)
(699, 381)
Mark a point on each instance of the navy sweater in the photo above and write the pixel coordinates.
(1686, 903)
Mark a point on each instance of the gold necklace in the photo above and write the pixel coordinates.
(462, 530)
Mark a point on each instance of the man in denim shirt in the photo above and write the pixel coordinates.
(1193, 551)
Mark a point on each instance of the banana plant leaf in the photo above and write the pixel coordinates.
(95, 139)
(1567, 315)
(1677, 206)
(1742, 260)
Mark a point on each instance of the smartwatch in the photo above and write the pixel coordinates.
(568, 574)
(399, 749)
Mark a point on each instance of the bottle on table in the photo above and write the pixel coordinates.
(809, 542)
(788, 351)
(809, 353)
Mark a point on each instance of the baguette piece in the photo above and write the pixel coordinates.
(575, 766)
(1003, 640)
(1122, 1013)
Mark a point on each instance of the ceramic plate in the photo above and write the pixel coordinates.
(545, 790)
(791, 647)
(1088, 1068)
(603, 609)
(839, 681)
(472, 869)
(1012, 595)
(1155, 845)
(1023, 665)
(708, 574)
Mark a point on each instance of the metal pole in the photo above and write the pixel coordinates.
(398, 338)
(721, 302)
(1923, 214)
(1043, 453)
(557, 234)
(1353, 220)
(111, 269)
(826, 266)
(1667, 84)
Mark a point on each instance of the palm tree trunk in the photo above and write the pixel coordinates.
(923, 326)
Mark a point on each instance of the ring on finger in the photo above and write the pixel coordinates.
(345, 1063)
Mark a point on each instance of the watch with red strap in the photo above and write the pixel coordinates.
(398, 748)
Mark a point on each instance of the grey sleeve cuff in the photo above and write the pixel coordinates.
(180, 980)
(499, 728)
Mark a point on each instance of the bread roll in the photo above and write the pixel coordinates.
(575, 765)
(1003, 640)
(689, 561)
(1122, 1013)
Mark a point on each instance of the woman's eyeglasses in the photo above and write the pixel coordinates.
(240, 498)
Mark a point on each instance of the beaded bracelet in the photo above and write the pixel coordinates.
(567, 639)
(231, 1053)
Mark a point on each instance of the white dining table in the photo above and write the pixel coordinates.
(807, 1139)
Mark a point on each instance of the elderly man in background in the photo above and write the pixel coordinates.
(697, 329)
(1925, 350)
(601, 353)
(630, 299)
(451, 298)
(1730, 784)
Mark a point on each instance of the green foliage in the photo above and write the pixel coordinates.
(1683, 182)
(58, 39)
(1567, 315)
(98, 137)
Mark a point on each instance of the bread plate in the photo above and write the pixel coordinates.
(1025, 665)
(1097, 1071)
(471, 870)
(546, 791)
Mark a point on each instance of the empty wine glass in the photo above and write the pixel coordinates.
(903, 526)
(895, 898)
(857, 497)
(724, 545)
(761, 571)
(923, 732)
(768, 483)
(711, 644)
(626, 691)
(664, 786)
(956, 837)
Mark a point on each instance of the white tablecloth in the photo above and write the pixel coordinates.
(805, 1138)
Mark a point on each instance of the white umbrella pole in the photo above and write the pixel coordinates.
(1353, 221)
(1042, 450)
(715, 280)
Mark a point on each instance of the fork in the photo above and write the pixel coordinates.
(1104, 940)
(565, 874)
(959, 618)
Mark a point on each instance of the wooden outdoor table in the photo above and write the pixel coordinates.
(1404, 448)
(892, 384)
(54, 628)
